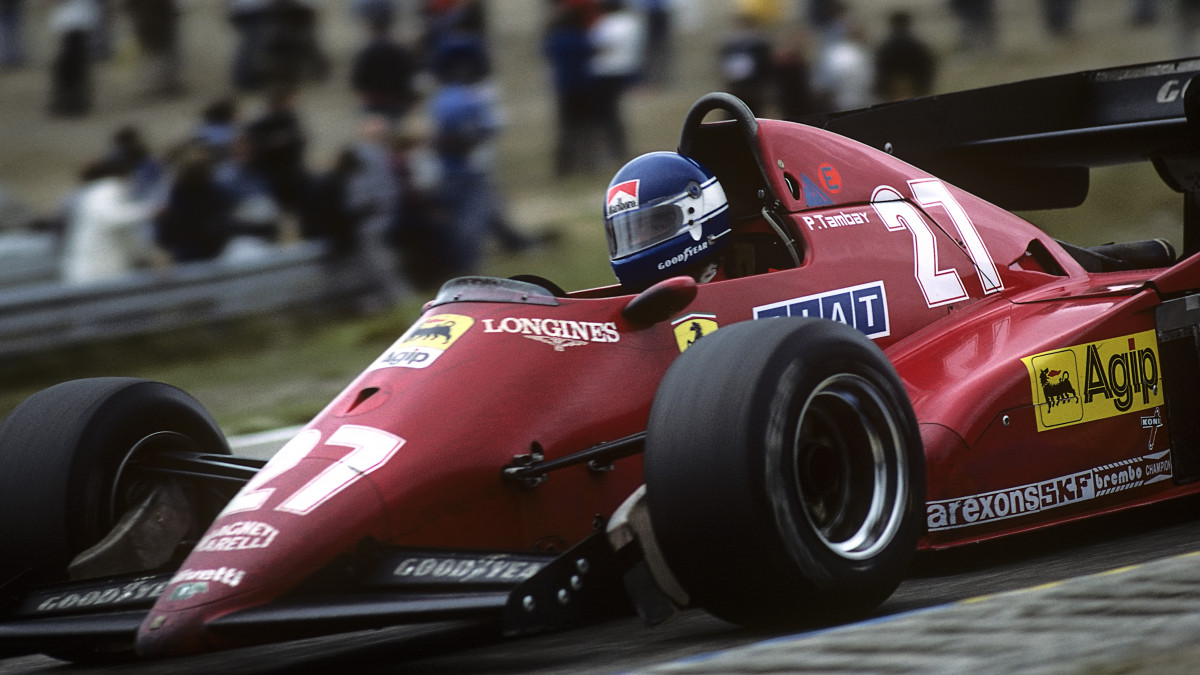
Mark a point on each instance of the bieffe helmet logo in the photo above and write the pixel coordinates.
(622, 197)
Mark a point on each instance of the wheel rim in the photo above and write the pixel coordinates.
(849, 467)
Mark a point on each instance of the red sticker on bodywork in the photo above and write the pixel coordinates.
(830, 178)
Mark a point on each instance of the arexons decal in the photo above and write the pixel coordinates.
(690, 328)
(558, 333)
(422, 344)
(949, 514)
(1093, 381)
(864, 307)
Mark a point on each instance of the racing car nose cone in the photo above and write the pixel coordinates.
(165, 634)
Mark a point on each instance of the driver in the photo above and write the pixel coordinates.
(665, 215)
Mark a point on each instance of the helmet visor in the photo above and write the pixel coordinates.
(638, 229)
(635, 230)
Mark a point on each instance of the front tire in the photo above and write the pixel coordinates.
(68, 458)
(785, 472)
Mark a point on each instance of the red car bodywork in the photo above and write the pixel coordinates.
(1037, 386)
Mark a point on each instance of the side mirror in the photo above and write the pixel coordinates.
(661, 301)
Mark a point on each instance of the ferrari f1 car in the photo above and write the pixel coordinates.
(898, 363)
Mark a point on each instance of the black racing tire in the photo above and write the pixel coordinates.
(785, 474)
(65, 458)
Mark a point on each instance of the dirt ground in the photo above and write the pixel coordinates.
(40, 156)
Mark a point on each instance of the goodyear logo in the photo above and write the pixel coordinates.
(1089, 382)
(422, 344)
(692, 327)
(864, 307)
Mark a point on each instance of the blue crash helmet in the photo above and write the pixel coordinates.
(663, 213)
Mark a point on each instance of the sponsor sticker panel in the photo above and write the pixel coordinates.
(1022, 500)
(863, 307)
(422, 344)
(1095, 380)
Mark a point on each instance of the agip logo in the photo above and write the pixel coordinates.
(422, 344)
(1093, 381)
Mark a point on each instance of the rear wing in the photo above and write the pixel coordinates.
(1030, 145)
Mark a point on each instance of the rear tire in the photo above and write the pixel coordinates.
(785, 473)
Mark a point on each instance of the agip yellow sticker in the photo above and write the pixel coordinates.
(422, 344)
(1093, 381)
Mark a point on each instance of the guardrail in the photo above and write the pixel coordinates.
(54, 315)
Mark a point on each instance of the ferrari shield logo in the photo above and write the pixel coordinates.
(692, 327)
(422, 344)
(1088, 382)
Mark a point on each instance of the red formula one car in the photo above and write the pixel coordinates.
(897, 363)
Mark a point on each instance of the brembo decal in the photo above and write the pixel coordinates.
(949, 514)
(1096, 380)
(422, 344)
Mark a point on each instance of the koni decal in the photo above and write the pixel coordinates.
(949, 514)
(691, 327)
(1093, 381)
(863, 307)
(422, 344)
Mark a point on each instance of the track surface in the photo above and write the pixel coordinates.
(622, 645)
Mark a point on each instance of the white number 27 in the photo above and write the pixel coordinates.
(939, 286)
(370, 449)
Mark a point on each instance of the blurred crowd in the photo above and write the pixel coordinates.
(415, 198)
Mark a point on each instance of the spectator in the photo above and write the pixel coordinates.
(255, 213)
(106, 228)
(12, 34)
(194, 224)
(374, 12)
(656, 15)
(843, 76)
(617, 37)
(1188, 12)
(745, 58)
(147, 176)
(277, 145)
(251, 20)
(291, 53)
(218, 128)
(73, 22)
(1059, 16)
(156, 28)
(904, 65)
(384, 74)
(978, 21)
(793, 75)
(569, 52)
(373, 195)
(422, 229)
(330, 215)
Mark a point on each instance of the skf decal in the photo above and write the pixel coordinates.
(239, 536)
(692, 327)
(863, 307)
(558, 333)
(949, 514)
(621, 197)
(1085, 383)
(422, 344)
